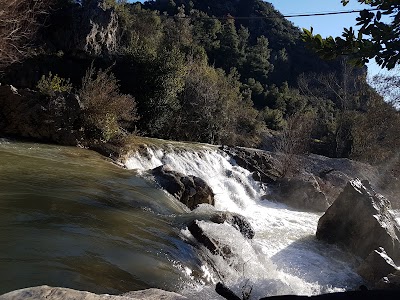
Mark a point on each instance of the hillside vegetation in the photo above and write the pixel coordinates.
(195, 71)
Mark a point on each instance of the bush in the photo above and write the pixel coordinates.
(294, 140)
(106, 111)
(49, 85)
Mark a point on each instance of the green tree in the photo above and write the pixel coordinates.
(257, 61)
(376, 37)
(142, 33)
(229, 54)
(213, 110)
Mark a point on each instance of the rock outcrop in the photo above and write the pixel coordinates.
(27, 114)
(376, 266)
(56, 293)
(302, 193)
(360, 220)
(188, 189)
(98, 32)
(265, 168)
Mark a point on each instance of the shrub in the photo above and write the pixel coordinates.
(49, 85)
(294, 139)
(106, 111)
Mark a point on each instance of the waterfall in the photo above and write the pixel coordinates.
(283, 258)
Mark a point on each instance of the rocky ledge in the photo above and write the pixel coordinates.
(56, 293)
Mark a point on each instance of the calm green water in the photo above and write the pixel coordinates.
(70, 218)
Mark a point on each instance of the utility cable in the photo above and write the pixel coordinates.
(273, 17)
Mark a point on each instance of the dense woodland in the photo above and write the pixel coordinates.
(194, 71)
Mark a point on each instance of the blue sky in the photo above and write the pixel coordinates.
(325, 25)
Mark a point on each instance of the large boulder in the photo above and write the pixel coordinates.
(55, 293)
(188, 189)
(360, 220)
(376, 266)
(28, 114)
(301, 193)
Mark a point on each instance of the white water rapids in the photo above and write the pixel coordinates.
(283, 258)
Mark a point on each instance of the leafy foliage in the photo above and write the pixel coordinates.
(376, 37)
(105, 108)
(51, 84)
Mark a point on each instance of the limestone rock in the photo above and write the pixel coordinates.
(377, 265)
(54, 293)
(99, 29)
(360, 220)
(190, 190)
(302, 193)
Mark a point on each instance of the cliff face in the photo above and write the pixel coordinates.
(91, 29)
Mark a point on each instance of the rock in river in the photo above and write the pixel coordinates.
(377, 265)
(188, 189)
(360, 220)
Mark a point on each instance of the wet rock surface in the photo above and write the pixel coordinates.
(188, 189)
(376, 266)
(391, 281)
(360, 220)
(56, 293)
(239, 222)
(200, 234)
(300, 193)
(265, 168)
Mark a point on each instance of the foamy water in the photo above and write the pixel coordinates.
(283, 258)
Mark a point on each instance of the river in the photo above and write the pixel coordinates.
(71, 218)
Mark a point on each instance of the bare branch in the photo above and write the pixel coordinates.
(19, 22)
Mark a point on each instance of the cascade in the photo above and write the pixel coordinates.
(283, 258)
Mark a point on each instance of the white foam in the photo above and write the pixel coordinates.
(4, 141)
(284, 256)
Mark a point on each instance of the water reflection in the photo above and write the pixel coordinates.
(69, 218)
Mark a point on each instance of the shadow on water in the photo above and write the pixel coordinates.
(316, 261)
(69, 218)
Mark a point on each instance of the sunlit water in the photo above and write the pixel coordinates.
(284, 257)
(70, 218)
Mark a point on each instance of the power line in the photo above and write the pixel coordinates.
(329, 13)
(273, 17)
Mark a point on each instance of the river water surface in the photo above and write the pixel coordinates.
(70, 218)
